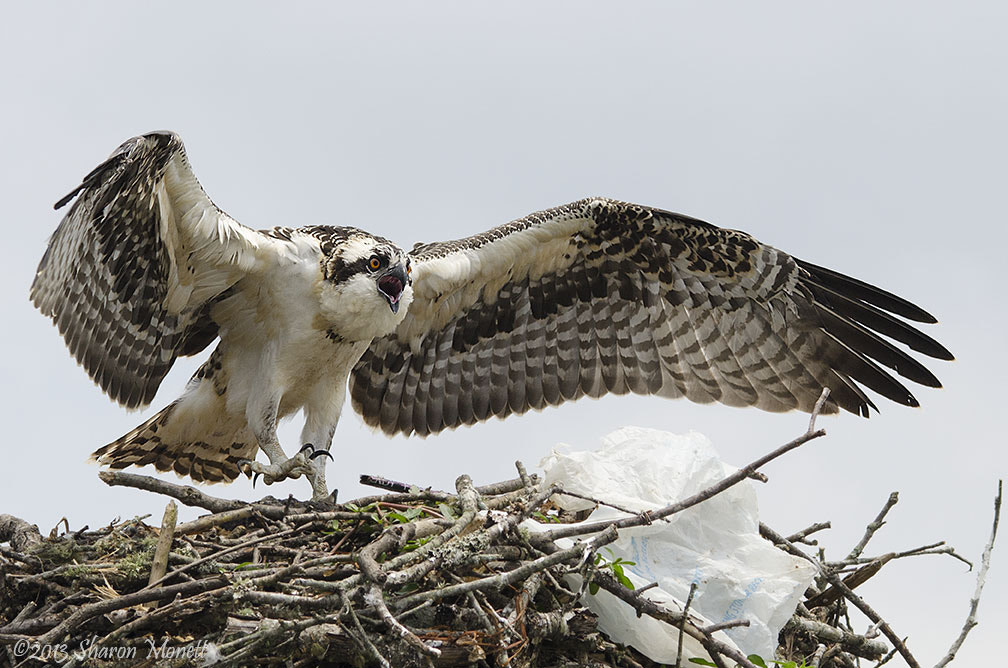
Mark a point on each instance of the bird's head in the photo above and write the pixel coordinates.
(367, 287)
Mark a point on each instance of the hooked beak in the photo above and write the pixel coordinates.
(391, 284)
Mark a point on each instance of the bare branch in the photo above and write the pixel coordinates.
(971, 618)
(835, 580)
(874, 526)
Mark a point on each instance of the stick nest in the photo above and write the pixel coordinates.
(411, 577)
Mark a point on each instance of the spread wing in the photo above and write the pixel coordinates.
(130, 270)
(601, 296)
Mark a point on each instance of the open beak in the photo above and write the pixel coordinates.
(391, 284)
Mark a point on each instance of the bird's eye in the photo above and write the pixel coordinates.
(375, 263)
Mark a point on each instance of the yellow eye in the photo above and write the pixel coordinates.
(375, 263)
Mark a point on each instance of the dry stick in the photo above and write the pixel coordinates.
(363, 639)
(144, 595)
(377, 601)
(971, 619)
(682, 624)
(817, 657)
(713, 490)
(835, 580)
(874, 526)
(513, 576)
(504, 487)
(931, 548)
(190, 496)
(808, 531)
(567, 492)
(853, 581)
(523, 474)
(849, 642)
(201, 524)
(20, 534)
(723, 626)
(253, 640)
(221, 553)
(423, 559)
(180, 604)
(159, 563)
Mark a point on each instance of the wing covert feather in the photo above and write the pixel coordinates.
(600, 296)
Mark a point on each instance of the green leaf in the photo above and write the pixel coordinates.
(447, 511)
(758, 660)
(702, 662)
(593, 588)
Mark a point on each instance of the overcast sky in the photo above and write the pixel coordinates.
(866, 137)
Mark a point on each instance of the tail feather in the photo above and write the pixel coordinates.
(166, 441)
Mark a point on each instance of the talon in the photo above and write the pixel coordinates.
(321, 453)
(307, 446)
(245, 466)
(254, 478)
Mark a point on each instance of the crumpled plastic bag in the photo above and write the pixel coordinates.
(715, 544)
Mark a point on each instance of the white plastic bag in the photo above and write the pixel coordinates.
(716, 544)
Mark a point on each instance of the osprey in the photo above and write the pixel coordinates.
(593, 297)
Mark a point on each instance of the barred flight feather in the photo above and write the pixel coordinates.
(601, 296)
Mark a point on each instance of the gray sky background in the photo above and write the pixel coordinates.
(866, 137)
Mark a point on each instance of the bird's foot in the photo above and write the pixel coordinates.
(292, 467)
(308, 462)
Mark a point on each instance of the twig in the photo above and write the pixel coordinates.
(219, 554)
(682, 624)
(513, 576)
(835, 580)
(971, 618)
(854, 580)
(376, 599)
(85, 613)
(713, 490)
(361, 636)
(801, 536)
(874, 526)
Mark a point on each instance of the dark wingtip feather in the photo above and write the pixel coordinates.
(867, 292)
(63, 201)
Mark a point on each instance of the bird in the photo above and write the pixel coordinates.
(586, 299)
